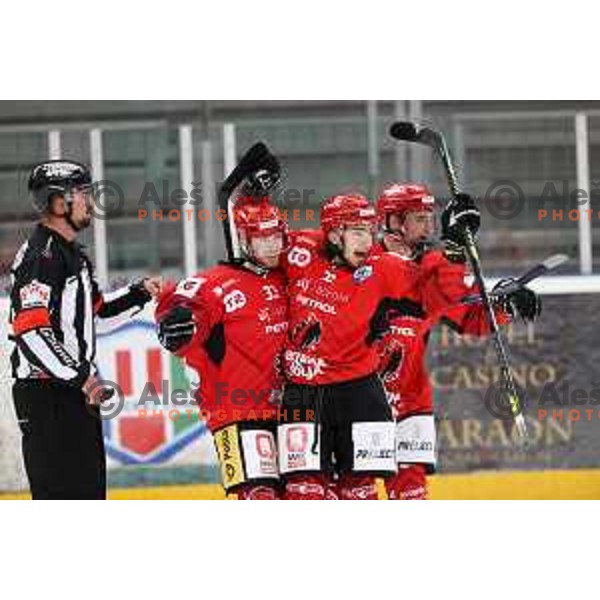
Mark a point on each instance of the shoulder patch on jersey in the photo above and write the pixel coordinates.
(299, 256)
(362, 273)
(188, 287)
(35, 295)
(234, 301)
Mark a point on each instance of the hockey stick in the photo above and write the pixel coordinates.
(410, 132)
(539, 270)
(256, 159)
(533, 273)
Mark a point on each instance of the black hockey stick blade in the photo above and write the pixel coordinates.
(404, 131)
(257, 157)
(408, 131)
(539, 270)
(551, 263)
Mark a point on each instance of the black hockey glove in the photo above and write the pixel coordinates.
(523, 303)
(176, 329)
(460, 215)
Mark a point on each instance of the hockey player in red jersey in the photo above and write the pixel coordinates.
(229, 323)
(335, 419)
(407, 218)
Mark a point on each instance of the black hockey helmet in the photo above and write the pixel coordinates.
(56, 177)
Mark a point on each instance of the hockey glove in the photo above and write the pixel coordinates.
(459, 216)
(523, 303)
(176, 329)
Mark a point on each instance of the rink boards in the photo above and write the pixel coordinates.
(560, 351)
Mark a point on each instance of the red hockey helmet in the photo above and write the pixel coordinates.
(399, 199)
(256, 217)
(346, 210)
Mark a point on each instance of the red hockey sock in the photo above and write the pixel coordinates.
(410, 483)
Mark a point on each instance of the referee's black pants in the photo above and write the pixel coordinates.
(63, 446)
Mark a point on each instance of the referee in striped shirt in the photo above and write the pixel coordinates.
(54, 301)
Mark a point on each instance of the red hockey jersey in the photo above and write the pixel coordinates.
(446, 284)
(241, 325)
(335, 311)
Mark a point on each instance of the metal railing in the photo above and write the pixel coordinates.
(330, 153)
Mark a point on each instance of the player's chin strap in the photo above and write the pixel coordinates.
(422, 248)
(336, 253)
(68, 215)
(254, 266)
(248, 264)
(248, 261)
(418, 250)
(393, 233)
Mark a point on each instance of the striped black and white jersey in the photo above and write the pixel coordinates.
(54, 300)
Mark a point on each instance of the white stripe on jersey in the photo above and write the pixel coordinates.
(110, 296)
(88, 311)
(68, 305)
(23, 367)
(19, 258)
(46, 356)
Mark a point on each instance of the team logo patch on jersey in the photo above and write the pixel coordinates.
(362, 274)
(298, 256)
(188, 287)
(35, 295)
(234, 301)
